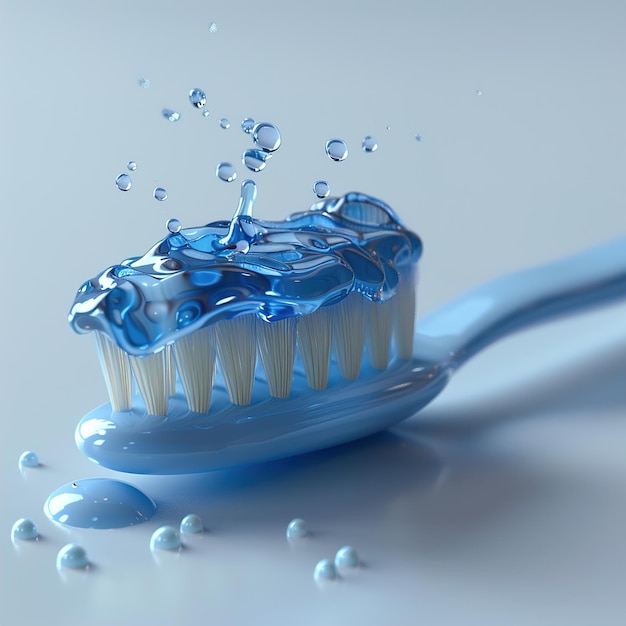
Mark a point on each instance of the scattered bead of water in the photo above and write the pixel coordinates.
(418, 137)
(131, 165)
(29, 459)
(226, 172)
(336, 149)
(165, 538)
(369, 144)
(144, 82)
(72, 556)
(172, 116)
(224, 123)
(255, 160)
(247, 125)
(325, 570)
(212, 27)
(197, 97)
(205, 113)
(347, 557)
(159, 194)
(191, 523)
(388, 127)
(266, 136)
(24, 529)
(297, 528)
(123, 182)
(479, 92)
(173, 225)
(321, 188)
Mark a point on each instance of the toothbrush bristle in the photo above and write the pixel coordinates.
(349, 329)
(171, 369)
(116, 370)
(405, 315)
(314, 341)
(380, 328)
(152, 376)
(277, 347)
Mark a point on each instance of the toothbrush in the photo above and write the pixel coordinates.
(202, 420)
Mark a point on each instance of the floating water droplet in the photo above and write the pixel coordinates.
(321, 188)
(144, 82)
(197, 97)
(131, 165)
(247, 125)
(123, 182)
(479, 92)
(255, 160)
(29, 459)
(165, 538)
(226, 172)
(212, 27)
(205, 113)
(191, 523)
(297, 528)
(266, 136)
(24, 529)
(171, 115)
(347, 557)
(325, 570)
(173, 226)
(369, 144)
(159, 194)
(224, 123)
(72, 556)
(336, 149)
(99, 503)
(418, 137)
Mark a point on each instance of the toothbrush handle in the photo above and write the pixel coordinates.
(502, 306)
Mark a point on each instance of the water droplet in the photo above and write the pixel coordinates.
(266, 136)
(159, 194)
(212, 27)
(112, 503)
(72, 556)
(171, 115)
(347, 557)
(131, 165)
(224, 123)
(205, 113)
(173, 226)
(369, 144)
(418, 137)
(226, 172)
(297, 528)
(321, 188)
(144, 82)
(336, 149)
(247, 125)
(255, 160)
(197, 97)
(165, 538)
(325, 570)
(29, 459)
(24, 529)
(479, 92)
(388, 127)
(191, 523)
(123, 182)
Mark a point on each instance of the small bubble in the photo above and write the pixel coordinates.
(72, 556)
(144, 82)
(131, 165)
(321, 188)
(325, 570)
(224, 123)
(297, 528)
(159, 194)
(369, 144)
(24, 529)
(226, 172)
(165, 538)
(172, 116)
(479, 92)
(191, 523)
(123, 182)
(205, 113)
(255, 160)
(266, 136)
(212, 27)
(247, 125)
(29, 459)
(347, 557)
(173, 226)
(336, 149)
(418, 137)
(197, 97)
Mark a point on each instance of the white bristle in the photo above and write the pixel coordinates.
(195, 357)
(277, 346)
(380, 328)
(314, 340)
(236, 347)
(405, 315)
(171, 370)
(350, 322)
(116, 370)
(152, 376)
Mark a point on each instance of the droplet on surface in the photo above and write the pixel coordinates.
(173, 225)
(29, 459)
(24, 529)
(321, 188)
(479, 92)
(205, 113)
(144, 82)
(369, 144)
(226, 172)
(266, 136)
(72, 556)
(336, 149)
(255, 160)
(224, 123)
(191, 523)
(123, 182)
(418, 137)
(131, 165)
(212, 27)
(347, 557)
(171, 115)
(325, 570)
(165, 538)
(247, 125)
(159, 194)
(297, 528)
(197, 97)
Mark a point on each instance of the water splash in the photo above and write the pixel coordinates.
(212, 27)
(369, 144)
(255, 160)
(321, 188)
(171, 115)
(131, 166)
(336, 149)
(205, 113)
(124, 182)
(159, 194)
(173, 225)
(224, 123)
(226, 172)
(247, 125)
(197, 97)
(144, 82)
(266, 136)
